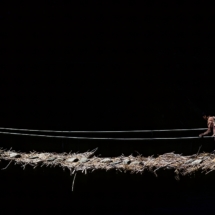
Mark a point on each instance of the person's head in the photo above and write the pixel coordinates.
(205, 116)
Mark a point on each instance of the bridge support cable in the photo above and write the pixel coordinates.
(100, 138)
(125, 131)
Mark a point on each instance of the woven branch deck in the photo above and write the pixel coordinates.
(87, 162)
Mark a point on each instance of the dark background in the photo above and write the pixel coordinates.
(105, 66)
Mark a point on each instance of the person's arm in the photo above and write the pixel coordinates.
(206, 132)
(213, 128)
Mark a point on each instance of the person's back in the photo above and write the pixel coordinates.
(211, 121)
(211, 125)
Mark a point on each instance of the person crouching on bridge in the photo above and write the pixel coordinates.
(211, 125)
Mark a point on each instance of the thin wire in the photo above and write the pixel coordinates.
(128, 131)
(100, 138)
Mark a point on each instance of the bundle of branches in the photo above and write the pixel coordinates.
(88, 162)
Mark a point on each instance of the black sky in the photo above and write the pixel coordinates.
(104, 65)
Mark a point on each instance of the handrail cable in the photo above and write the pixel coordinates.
(128, 131)
(99, 138)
